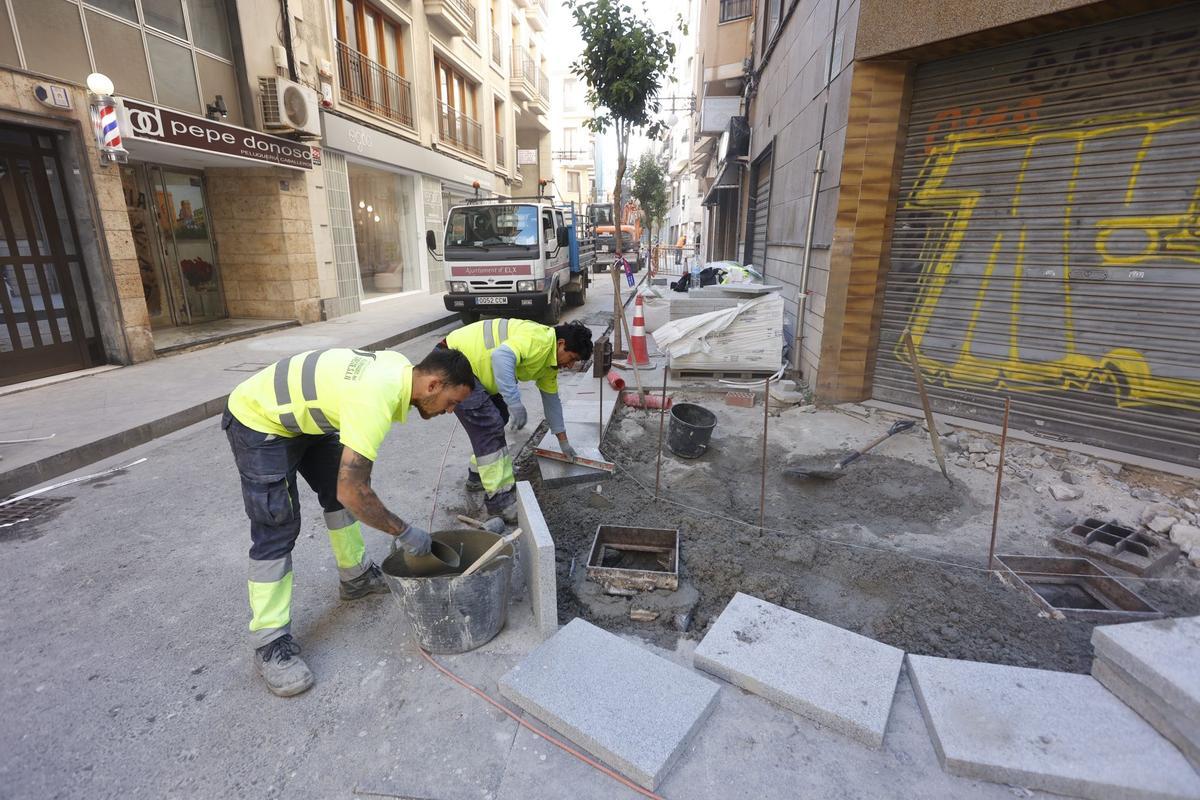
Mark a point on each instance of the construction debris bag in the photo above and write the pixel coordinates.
(748, 336)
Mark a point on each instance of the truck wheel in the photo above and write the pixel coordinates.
(553, 311)
(468, 317)
(576, 299)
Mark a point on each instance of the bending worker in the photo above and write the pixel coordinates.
(324, 414)
(503, 352)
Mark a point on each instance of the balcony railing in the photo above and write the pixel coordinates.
(499, 150)
(734, 9)
(467, 9)
(456, 128)
(373, 87)
(496, 48)
(543, 85)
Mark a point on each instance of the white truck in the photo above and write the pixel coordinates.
(516, 257)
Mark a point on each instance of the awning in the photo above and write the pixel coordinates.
(729, 178)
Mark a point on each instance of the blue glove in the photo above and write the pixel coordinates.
(517, 416)
(415, 540)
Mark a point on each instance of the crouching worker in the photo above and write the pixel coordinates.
(503, 352)
(323, 414)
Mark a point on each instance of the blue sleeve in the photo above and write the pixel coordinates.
(504, 370)
(552, 406)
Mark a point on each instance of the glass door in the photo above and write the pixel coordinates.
(187, 244)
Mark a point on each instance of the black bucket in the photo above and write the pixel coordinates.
(690, 429)
(451, 613)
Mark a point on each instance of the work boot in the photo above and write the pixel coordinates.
(282, 668)
(370, 582)
(509, 514)
(473, 482)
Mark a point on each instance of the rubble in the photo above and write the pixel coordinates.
(1109, 467)
(1188, 539)
(1161, 524)
(979, 446)
(1063, 492)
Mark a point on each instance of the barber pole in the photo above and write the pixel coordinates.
(110, 133)
(638, 354)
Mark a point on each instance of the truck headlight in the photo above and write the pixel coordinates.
(526, 286)
(458, 287)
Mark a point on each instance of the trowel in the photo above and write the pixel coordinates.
(839, 469)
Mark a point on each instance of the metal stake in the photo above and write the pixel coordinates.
(662, 413)
(999, 478)
(762, 494)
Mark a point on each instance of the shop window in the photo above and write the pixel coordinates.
(385, 230)
(174, 74)
(51, 37)
(130, 75)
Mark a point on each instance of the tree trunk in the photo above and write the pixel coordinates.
(616, 276)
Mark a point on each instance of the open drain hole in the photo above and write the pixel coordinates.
(1075, 588)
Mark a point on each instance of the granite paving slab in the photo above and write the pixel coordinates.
(628, 707)
(826, 673)
(537, 556)
(1182, 731)
(1056, 731)
(1162, 655)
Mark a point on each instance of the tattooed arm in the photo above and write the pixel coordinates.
(355, 493)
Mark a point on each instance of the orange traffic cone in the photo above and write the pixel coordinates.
(638, 355)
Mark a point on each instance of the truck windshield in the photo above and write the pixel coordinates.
(600, 215)
(490, 232)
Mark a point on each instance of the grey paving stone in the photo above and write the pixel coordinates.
(628, 707)
(820, 671)
(1183, 732)
(1162, 655)
(580, 395)
(537, 554)
(1056, 731)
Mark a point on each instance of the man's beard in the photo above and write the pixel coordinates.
(427, 413)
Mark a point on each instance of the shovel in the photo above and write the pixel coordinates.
(839, 469)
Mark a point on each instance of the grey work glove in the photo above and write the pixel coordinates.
(567, 450)
(517, 417)
(414, 540)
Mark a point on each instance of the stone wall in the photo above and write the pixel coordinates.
(265, 251)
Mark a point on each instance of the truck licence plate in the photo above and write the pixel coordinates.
(491, 301)
(603, 248)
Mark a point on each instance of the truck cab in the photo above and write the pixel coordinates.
(600, 217)
(517, 257)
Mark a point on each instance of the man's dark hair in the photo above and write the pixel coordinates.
(577, 338)
(451, 365)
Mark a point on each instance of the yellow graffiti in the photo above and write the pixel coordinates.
(1123, 371)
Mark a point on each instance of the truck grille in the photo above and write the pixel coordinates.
(492, 285)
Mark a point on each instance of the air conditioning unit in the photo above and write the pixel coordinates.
(288, 106)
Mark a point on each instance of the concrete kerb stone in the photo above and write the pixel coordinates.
(1055, 731)
(628, 707)
(1160, 655)
(820, 671)
(1184, 733)
(537, 554)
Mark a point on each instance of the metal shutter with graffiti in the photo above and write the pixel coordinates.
(1047, 237)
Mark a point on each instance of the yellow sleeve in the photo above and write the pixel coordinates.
(365, 422)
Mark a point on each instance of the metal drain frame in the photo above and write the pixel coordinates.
(1121, 604)
(621, 537)
(28, 509)
(1117, 546)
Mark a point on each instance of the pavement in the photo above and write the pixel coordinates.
(101, 413)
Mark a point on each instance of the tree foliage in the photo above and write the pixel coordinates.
(650, 190)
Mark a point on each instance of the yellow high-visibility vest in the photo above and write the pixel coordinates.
(535, 345)
(355, 393)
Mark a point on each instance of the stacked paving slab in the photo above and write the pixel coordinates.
(1154, 667)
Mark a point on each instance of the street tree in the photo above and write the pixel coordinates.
(650, 191)
(623, 64)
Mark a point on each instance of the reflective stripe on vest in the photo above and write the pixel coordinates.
(308, 391)
(489, 339)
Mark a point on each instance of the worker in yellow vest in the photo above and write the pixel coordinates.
(323, 414)
(503, 352)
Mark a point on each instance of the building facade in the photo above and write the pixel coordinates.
(282, 161)
(574, 146)
(1002, 196)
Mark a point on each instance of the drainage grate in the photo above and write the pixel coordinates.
(1117, 545)
(634, 558)
(248, 366)
(27, 510)
(1075, 588)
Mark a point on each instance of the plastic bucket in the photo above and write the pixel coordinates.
(690, 429)
(450, 613)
